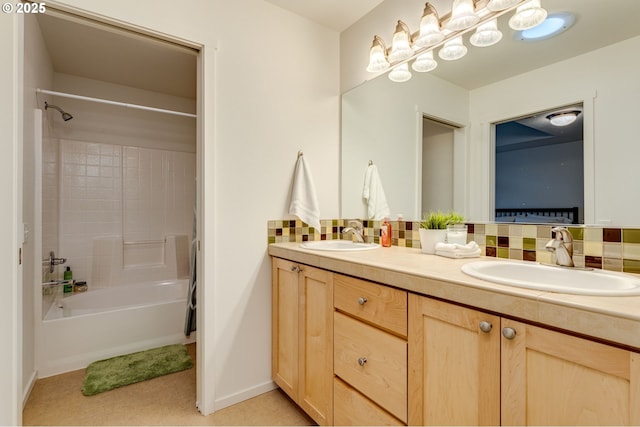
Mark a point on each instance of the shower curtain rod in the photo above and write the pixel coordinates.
(121, 104)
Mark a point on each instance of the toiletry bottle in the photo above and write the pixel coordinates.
(385, 233)
(68, 284)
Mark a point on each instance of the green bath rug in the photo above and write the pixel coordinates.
(131, 368)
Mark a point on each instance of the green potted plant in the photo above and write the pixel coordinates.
(433, 228)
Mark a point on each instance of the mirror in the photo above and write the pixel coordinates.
(382, 120)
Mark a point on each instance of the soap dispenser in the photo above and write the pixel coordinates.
(385, 233)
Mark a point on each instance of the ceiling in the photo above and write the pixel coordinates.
(101, 52)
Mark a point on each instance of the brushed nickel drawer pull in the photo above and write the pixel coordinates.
(362, 361)
(362, 300)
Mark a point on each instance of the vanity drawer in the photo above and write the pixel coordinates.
(381, 305)
(372, 361)
(351, 408)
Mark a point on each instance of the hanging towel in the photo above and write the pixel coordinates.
(304, 203)
(373, 194)
(456, 250)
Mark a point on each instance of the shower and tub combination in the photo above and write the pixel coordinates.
(136, 266)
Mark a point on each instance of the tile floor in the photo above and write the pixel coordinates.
(167, 400)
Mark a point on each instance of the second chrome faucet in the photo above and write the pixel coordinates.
(562, 245)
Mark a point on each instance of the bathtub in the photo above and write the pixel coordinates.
(97, 324)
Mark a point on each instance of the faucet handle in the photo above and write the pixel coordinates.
(562, 233)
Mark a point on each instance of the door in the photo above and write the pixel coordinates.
(454, 364)
(551, 378)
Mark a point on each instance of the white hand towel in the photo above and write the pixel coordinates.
(455, 250)
(304, 203)
(373, 193)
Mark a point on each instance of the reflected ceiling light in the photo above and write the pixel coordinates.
(555, 24)
(453, 49)
(401, 44)
(463, 15)
(486, 34)
(497, 5)
(425, 63)
(528, 16)
(400, 73)
(446, 34)
(430, 30)
(563, 118)
(377, 56)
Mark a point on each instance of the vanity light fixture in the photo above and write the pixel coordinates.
(563, 118)
(434, 32)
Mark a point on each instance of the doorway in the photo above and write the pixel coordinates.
(79, 56)
(438, 164)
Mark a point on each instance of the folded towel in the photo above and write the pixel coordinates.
(304, 203)
(373, 193)
(455, 250)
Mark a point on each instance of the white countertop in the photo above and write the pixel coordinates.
(614, 319)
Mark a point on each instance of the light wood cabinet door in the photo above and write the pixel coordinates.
(302, 336)
(284, 324)
(454, 364)
(315, 320)
(551, 378)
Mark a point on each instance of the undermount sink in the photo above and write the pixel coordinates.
(554, 279)
(338, 245)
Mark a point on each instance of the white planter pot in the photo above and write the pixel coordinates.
(429, 238)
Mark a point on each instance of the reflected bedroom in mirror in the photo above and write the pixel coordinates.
(495, 105)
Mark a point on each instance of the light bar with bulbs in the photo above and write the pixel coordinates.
(446, 33)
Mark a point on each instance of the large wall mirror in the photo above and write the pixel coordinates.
(589, 65)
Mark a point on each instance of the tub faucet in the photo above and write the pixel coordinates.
(53, 261)
(562, 245)
(357, 229)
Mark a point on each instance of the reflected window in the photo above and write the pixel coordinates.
(539, 169)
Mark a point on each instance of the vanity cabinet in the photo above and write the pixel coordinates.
(467, 367)
(302, 336)
(370, 353)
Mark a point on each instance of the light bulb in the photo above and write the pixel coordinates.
(528, 16)
(486, 34)
(425, 63)
(462, 15)
(401, 44)
(400, 73)
(497, 5)
(430, 31)
(377, 56)
(453, 49)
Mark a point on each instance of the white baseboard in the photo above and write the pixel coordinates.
(243, 395)
(27, 391)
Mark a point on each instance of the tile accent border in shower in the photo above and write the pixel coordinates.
(608, 248)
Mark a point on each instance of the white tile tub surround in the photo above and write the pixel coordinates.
(136, 195)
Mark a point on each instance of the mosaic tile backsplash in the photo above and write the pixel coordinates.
(608, 248)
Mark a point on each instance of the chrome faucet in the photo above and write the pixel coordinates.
(562, 245)
(357, 229)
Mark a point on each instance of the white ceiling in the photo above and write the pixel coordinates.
(96, 51)
(335, 14)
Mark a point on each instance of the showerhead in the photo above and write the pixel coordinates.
(65, 116)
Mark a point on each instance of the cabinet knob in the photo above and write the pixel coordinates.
(362, 361)
(362, 300)
(509, 333)
(296, 268)
(485, 326)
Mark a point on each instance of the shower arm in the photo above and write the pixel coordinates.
(53, 261)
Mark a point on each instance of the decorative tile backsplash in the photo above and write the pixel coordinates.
(608, 248)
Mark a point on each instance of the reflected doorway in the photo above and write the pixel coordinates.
(437, 165)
